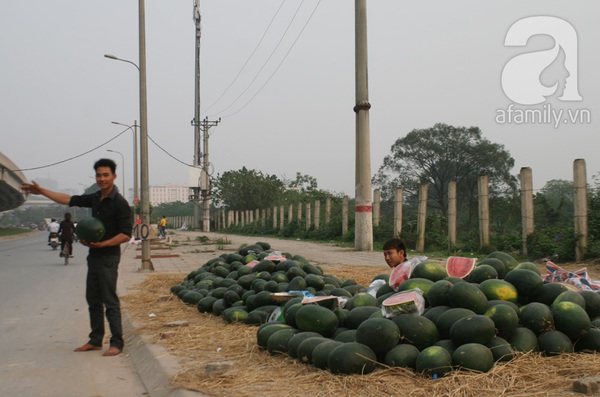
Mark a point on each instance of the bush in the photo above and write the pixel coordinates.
(553, 243)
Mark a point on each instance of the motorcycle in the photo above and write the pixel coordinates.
(54, 241)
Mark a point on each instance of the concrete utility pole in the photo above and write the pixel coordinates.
(200, 181)
(205, 178)
(363, 231)
(195, 176)
(145, 185)
(136, 191)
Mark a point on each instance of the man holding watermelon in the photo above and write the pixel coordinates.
(111, 208)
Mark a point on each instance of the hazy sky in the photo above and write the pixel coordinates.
(290, 108)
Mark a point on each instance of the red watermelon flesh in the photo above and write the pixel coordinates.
(403, 271)
(399, 274)
(460, 267)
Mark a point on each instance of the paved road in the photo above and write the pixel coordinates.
(43, 316)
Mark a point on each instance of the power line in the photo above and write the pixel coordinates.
(278, 66)
(249, 58)
(96, 148)
(74, 157)
(169, 154)
(268, 59)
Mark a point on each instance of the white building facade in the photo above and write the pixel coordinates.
(169, 193)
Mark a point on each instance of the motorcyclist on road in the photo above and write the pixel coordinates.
(53, 228)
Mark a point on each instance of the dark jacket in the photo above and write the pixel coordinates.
(113, 211)
(66, 230)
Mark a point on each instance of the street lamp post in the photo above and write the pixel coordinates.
(122, 169)
(145, 188)
(136, 193)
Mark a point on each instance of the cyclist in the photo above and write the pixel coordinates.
(66, 231)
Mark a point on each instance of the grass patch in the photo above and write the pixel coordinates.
(11, 231)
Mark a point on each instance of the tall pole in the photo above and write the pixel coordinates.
(206, 184)
(134, 127)
(122, 169)
(136, 193)
(145, 196)
(363, 235)
(201, 159)
(205, 176)
(196, 121)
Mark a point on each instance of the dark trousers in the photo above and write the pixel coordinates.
(101, 295)
(62, 246)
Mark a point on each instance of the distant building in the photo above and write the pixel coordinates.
(169, 193)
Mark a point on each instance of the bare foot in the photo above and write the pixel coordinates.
(87, 347)
(112, 351)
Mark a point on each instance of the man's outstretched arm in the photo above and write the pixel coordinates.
(34, 188)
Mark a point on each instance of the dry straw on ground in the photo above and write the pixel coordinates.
(208, 339)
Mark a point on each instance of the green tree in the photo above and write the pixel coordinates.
(247, 189)
(594, 217)
(303, 182)
(176, 208)
(442, 154)
(554, 204)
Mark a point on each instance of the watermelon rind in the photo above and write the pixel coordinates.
(434, 361)
(460, 267)
(90, 229)
(473, 357)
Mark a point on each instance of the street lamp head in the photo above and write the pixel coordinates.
(110, 56)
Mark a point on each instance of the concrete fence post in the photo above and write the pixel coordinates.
(422, 217)
(345, 215)
(581, 209)
(527, 215)
(398, 212)
(451, 214)
(484, 211)
(376, 207)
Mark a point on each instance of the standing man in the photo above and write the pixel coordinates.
(103, 259)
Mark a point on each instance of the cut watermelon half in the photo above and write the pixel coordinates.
(399, 274)
(252, 263)
(403, 271)
(411, 301)
(458, 266)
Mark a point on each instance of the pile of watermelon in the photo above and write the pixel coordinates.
(476, 314)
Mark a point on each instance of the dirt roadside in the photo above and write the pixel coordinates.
(202, 341)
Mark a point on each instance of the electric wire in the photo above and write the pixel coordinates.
(247, 60)
(96, 148)
(72, 158)
(267, 61)
(169, 154)
(278, 66)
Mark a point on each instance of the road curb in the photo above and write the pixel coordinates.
(154, 364)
